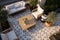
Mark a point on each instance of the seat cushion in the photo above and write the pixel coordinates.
(11, 35)
(4, 36)
(15, 7)
(36, 14)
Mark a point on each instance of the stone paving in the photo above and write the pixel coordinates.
(38, 32)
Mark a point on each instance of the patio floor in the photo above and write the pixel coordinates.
(38, 32)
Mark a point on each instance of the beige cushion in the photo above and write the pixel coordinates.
(38, 13)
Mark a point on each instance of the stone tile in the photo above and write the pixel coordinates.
(38, 32)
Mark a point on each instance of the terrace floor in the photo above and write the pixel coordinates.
(38, 32)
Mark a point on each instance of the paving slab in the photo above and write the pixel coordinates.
(38, 32)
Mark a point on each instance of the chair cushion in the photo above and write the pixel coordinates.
(4, 36)
(11, 35)
(39, 9)
(36, 14)
(15, 7)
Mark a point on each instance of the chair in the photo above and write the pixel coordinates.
(38, 13)
(9, 35)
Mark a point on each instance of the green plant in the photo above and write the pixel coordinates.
(52, 5)
(33, 3)
(26, 21)
(3, 19)
(51, 18)
(0, 8)
(3, 15)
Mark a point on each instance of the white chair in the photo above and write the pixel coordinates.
(15, 7)
(38, 13)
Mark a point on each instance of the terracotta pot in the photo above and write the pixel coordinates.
(48, 24)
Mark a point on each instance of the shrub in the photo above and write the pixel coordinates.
(3, 19)
(51, 18)
(52, 5)
(33, 3)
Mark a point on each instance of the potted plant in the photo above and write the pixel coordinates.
(51, 18)
(33, 4)
(26, 21)
(3, 19)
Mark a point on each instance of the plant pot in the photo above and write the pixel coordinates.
(48, 24)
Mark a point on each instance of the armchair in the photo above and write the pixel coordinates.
(38, 13)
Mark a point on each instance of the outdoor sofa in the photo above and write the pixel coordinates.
(15, 7)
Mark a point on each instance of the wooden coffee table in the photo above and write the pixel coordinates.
(29, 23)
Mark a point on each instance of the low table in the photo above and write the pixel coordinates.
(26, 22)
